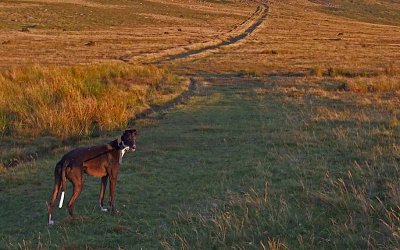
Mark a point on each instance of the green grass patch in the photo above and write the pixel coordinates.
(292, 167)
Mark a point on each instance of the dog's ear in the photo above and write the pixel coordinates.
(134, 131)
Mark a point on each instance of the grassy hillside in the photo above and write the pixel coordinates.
(247, 163)
(75, 15)
(88, 31)
(76, 101)
(298, 37)
(290, 141)
(43, 107)
(375, 11)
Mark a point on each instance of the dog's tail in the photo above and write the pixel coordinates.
(63, 184)
(59, 182)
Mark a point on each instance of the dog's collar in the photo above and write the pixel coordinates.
(123, 146)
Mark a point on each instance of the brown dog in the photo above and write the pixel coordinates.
(100, 161)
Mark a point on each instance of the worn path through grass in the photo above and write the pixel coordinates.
(209, 140)
(246, 162)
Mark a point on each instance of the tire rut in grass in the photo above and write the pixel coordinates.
(249, 26)
(193, 87)
(255, 24)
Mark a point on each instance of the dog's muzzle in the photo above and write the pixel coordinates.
(127, 148)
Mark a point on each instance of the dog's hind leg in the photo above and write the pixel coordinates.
(63, 185)
(103, 186)
(77, 180)
(57, 186)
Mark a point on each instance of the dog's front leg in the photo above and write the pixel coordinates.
(103, 186)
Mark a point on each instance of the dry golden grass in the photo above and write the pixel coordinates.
(373, 11)
(72, 101)
(373, 84)
(387, 80)
(297, 37)
(71, 32)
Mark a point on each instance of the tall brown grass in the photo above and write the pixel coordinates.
(386, 80)
(78, 100)
(374, 84)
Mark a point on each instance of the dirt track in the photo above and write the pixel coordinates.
(239, 33)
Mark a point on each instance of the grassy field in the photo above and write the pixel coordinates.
(297, 38)
(247, 163)
(77, 101)
(42, 107)
(291, 139)
(375, 11)
(86, 31)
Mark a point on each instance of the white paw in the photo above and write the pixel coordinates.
(51, 222)
(104, 209)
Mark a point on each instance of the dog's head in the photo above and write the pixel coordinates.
(128, 139)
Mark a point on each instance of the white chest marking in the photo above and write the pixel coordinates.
(121, 154)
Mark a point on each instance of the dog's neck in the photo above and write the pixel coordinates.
(119, 145)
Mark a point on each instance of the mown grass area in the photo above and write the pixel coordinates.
(249, 163)
(47, 104)
(317, 168)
